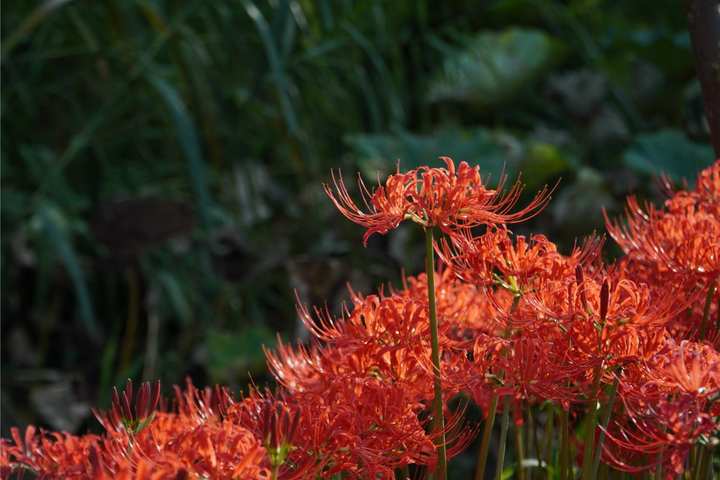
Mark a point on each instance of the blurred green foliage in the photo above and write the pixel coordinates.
(162, 161)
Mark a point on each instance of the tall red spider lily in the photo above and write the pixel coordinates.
(445, 197)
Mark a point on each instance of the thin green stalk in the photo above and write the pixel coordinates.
(605, 421)
(546, 445)
(703, 459)
(526, 451)
(405, 473)
(487, 435)
(604, 471)
(503, 438)
(536, 440)
(706, 313)
(519, 453)
(591, 424)
(658, 468)
(439, 420)
(565, 444)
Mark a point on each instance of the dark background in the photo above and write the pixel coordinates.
(163, 161)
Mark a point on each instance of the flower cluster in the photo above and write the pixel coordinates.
(629, 353)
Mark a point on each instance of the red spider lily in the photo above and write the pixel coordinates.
(688, 368)
(445, 197)
(670, 427)
(199, 407)
(120, 416)
(685, 239)
(382, 337)
(47, 455)
(460, 303)
(532, 373)
(364, 427)
(708, 185)
(171, 445)
(625, 302)
(493, 258)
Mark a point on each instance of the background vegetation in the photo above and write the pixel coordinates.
(162, 162)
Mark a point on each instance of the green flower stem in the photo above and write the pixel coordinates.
(487, 435)
(591, 424)
(706, 313)
(546, 446)
(519, 453)
(439, 419)
(492, 409)
(503, 438)
(564, 444)
(605, 421)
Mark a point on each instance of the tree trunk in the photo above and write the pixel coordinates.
(703, 18)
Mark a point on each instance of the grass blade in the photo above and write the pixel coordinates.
(276, 68)
(51, 220)
(37, 16)
(189, 144)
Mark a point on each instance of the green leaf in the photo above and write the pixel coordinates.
(670, 152)
(145, 424)
(52, 221)
(175, 294)
(495, 66)
(236, 353)
(477, 146)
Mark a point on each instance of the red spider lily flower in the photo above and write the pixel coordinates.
(532, 372)
(494, 259)
(173, 445)
(51, 455)
(708, 185)
(445, 197)
(198, 407)
(670, 427)
(624, 302)
(120, 416)
(683, 240)
(381, 337)
(364, 427)
(687, 368)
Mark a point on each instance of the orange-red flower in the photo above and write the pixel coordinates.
(683, 238)
(445, 197)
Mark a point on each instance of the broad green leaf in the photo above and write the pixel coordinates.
(495, 66)
(668, 151)
(478, 146)
(233, 354)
